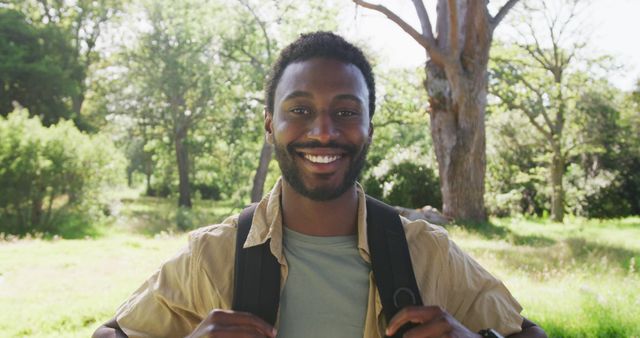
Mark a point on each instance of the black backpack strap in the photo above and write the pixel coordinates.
(257, 271)
(257, 274)
(390, 260)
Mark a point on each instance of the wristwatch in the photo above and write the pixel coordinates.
(490, 333)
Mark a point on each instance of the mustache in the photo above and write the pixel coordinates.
(351, 149)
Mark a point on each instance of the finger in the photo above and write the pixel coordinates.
(233, 318)
(412, 314)
(222, 331)
(437, 327)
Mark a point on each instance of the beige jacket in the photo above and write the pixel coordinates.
(199, 278)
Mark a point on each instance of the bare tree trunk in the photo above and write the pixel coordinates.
(557, 194)
(261, 173)
(148, 180)
(129, 177)
(76, 103)
(184, 191)
(36, 212)
(457, 87)
(458, 133)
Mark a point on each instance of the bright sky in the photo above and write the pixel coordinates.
(614, 25)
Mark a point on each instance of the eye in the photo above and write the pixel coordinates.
(300, 111)
(346, 113)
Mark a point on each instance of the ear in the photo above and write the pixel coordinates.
(268, 126)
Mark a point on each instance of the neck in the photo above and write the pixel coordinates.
(336, 217)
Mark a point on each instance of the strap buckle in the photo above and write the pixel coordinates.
(400, 300)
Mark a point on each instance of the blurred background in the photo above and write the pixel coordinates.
(126, 123)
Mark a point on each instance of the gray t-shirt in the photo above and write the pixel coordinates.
(327, 288)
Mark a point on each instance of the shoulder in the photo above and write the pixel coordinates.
(214, 240)
(215, 231)
(424, 235)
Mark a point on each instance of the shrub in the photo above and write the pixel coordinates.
(50, 175)
(405, 178)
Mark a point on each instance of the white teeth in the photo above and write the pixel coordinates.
(321, 158)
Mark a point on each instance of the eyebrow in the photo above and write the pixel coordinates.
(297, 94)
(302, 94)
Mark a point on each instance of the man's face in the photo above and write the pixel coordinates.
(320, 126)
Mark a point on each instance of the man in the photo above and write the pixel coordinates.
(320, 98)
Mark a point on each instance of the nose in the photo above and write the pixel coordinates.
(323, 128)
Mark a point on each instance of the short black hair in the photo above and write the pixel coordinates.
(320, 45)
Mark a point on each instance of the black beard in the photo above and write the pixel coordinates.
(291, 173)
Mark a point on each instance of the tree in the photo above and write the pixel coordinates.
(36, 68)
(82, 22)
(400, 165)
(254, 48)
(538, 83)
(457, 87)
(173, 66)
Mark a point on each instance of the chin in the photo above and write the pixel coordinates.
(323, 193)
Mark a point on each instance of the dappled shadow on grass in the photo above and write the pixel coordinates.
(493, 231)
(531, 240)
(567, 255)
(543, 251)
(486, 230)
(151, 215)
(602, 254)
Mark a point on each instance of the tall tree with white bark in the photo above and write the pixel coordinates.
(458, 54)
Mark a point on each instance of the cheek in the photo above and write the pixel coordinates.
(284, 132)
(360, 135)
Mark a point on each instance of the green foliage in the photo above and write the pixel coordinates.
(51, 177)
(621, 155)
(152, 216)
(400, 165)
(596, 141)
(210, 59)
(406, 178)
(37, 68)
(515, 173)
(77, 27)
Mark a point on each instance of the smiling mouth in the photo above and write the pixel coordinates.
(322, 158)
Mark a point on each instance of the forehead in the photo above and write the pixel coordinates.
(321, 76)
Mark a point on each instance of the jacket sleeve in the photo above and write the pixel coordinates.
(175, 299)
(478, 299)
(450, 278)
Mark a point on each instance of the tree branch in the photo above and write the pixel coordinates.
(425, 23)
(453, 27)
(495, 21)
(531, 116)
(543, 111)
(262, 26)
(428, 42)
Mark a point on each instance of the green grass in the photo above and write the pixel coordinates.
(578, 279)
(65, 288)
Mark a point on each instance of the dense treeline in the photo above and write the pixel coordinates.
(177, 87)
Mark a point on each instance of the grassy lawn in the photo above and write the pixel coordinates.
(578, 279)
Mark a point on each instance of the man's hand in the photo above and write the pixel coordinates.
(222, 323)
(431, 321)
